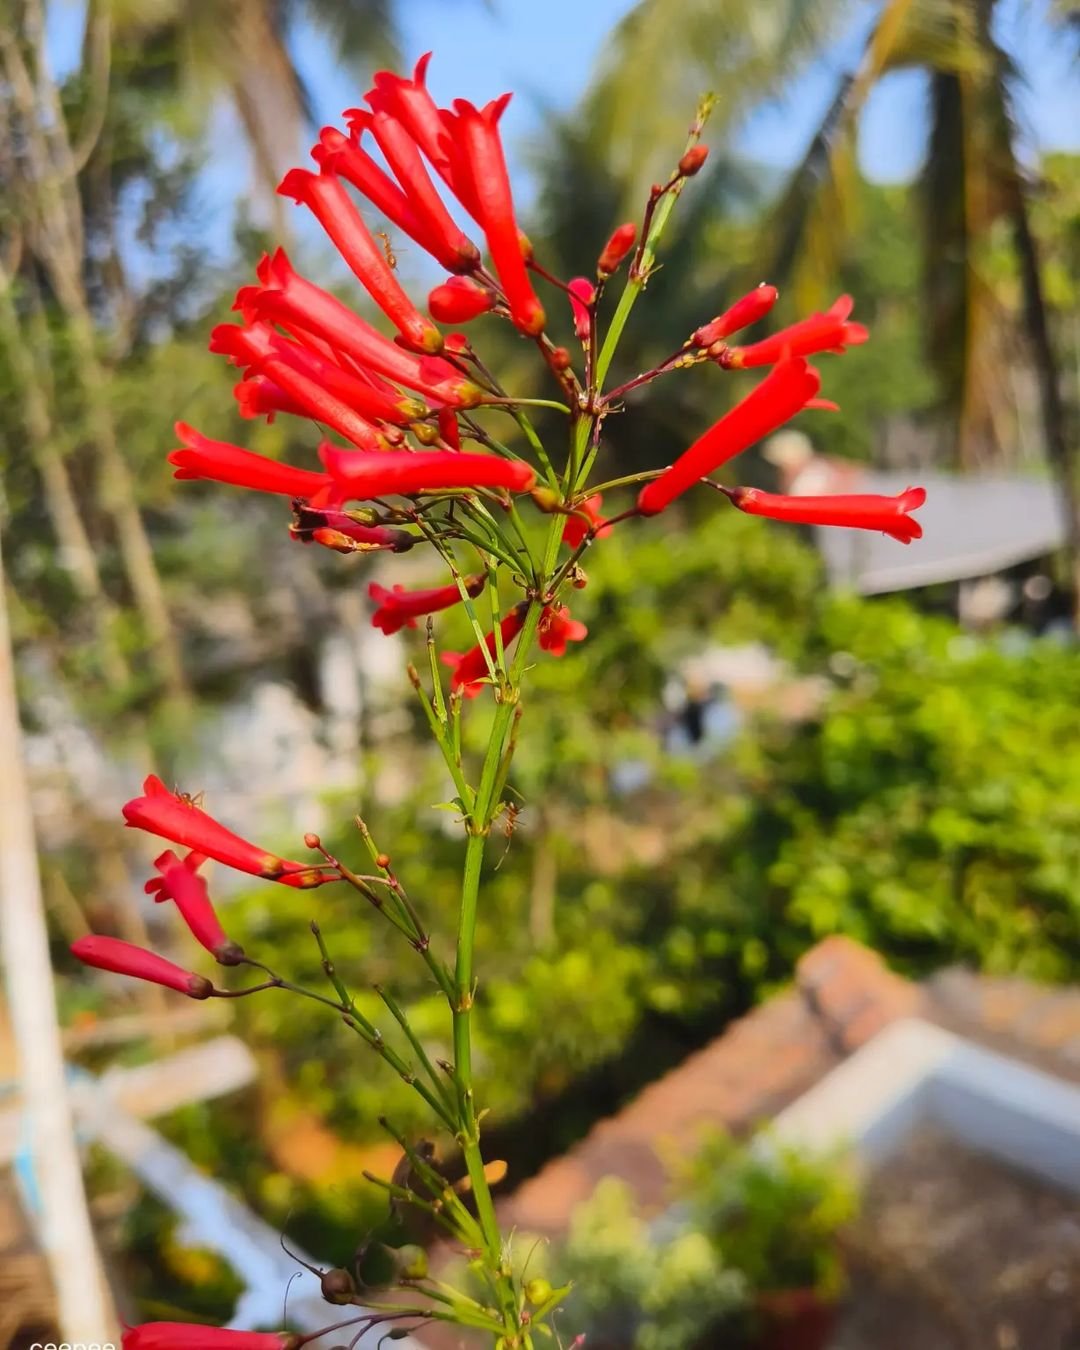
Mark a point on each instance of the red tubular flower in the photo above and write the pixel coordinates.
(395, 472)
(399, 608)
(184, 1336)
(575, 529)
(860, 511)
(331, 205)
(161, 812)
(182, 884)
(741, 315)
(347, 535)
(286, 298)
(400, 152)
(470, 669)
(258, 396)
(557, 628)
(313, 398)
(474, 134)
(779, 396)
(124, 958)
(348, 160)
(459, 300)
(582, 294)
(411, 104)
(313, 381)
(616, 249)
(224, 463)
(828, 332)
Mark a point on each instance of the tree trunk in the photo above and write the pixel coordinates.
(1056, 431)
(84, 1308)
(1052, 406)
(58, 236)
(118, 496)
(267, 97)
(74, 548)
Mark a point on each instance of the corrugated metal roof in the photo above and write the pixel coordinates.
(972, 526)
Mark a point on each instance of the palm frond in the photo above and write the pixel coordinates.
(666, 53)
(790, 218)
(360, 32)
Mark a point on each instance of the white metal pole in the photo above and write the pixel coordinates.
(84, 1307)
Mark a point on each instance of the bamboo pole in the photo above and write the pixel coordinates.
(84, 1309)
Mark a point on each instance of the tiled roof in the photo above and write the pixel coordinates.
(843, 995)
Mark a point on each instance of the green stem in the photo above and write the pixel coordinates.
(643, 262)
(479, 827)
(536, 444)
(401, 1018)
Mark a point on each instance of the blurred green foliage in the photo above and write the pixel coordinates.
(927, 803)
(637, 1287)
(752, 1220)
(771, 1211)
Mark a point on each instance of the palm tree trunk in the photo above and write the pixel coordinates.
(1048, 371)
(266, 93)
(1056, 431)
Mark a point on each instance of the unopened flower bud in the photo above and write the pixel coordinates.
(413, 1263)
(744, 312)
(538, 1290)
(616, 249)
(459, 300)
(337, 1286)
(546, 499)
(560, 359)
(692, 161)
(312, 840)
(424, 432)
(383, 860)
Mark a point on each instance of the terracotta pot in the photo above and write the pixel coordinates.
(795, 1319)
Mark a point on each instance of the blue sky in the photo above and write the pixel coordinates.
(549, 47)
(545, 50)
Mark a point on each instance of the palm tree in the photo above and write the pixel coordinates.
(244, 52)
(972, 180)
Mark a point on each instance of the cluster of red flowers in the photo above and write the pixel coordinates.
(178, 818)
(397, 401)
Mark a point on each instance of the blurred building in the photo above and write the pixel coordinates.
(990, 536)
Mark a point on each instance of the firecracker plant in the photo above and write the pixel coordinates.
(416, 455)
